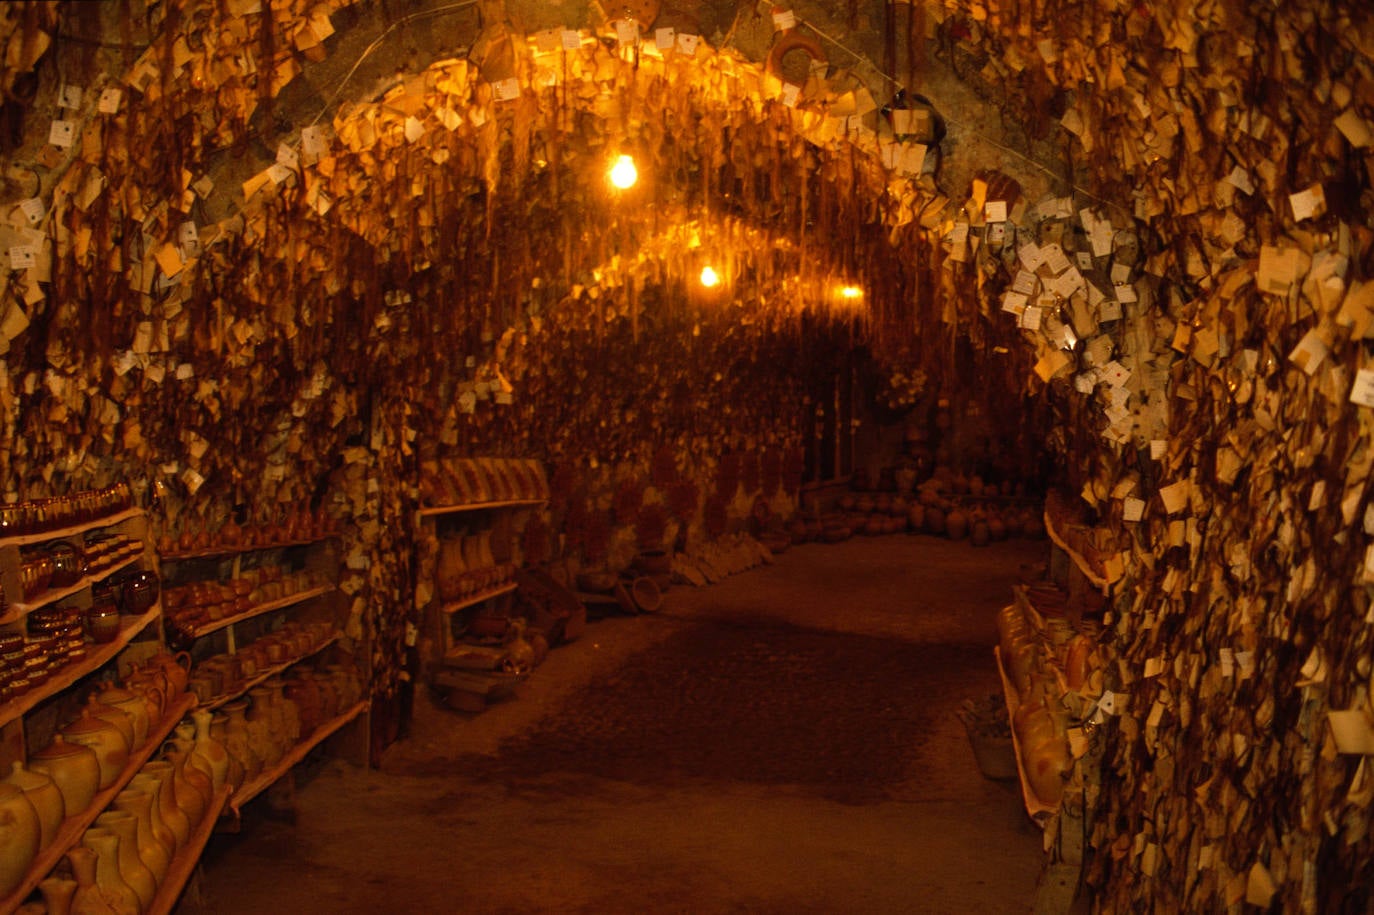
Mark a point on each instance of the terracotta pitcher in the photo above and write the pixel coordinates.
(209, 752)
(155, 855)
(110, 886)
(57, 895)
(132, 867)
(174, 815)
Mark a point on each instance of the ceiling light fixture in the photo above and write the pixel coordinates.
(623, 173)
(709, 277)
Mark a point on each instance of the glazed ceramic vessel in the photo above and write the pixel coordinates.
(74, 769)
(57, 895)
(173, 814)
(132, 867)
(20, 833)
(209, 753)
(110, 886)
(110, 746)
(156, 855)
(45, 797)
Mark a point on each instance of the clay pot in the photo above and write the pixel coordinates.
(158, 777)
(935, 520)
(58, 893)
(110, 746)
(155, 843)
(20, 833)
(238, 741)
(209, 753)
(137, 707)
(132, 867)
(102, 623)
(450, 568)
(980, 535)
(111, 887)
(88, 898)
(218, 731)
(45, 797)
(306, 695)
(73, 768)
(957, 525)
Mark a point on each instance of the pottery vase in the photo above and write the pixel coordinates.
(110, 885)
(132, 867)
(57, 895)
(218, 730)
(209, 753)
(107, 740)
(155, 855)
(45, 797)
(193, 785)
(239, 741)
(450, 568)
(74, 769)
(170, 812)
(87, 899)
(20, 833)
(263, 728)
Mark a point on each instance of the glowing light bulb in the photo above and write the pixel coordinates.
(851, 293)
(709, 277)
(623, 173)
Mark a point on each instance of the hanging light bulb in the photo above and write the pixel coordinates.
(851, 293)
(709, 277)
(623, 173)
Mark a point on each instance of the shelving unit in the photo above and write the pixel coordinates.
(436, 510)
(279, 604)
(19, 609)
(69, 834)
(265, 779)
(451, 607)
(268, 674)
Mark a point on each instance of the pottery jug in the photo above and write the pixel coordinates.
(110, 884)
(74, 769)
(262, 729)
(111, 749)
(161, 829)
(155, 851)
(193, 786)
(118, 718)
(450, 568)
(57, 895)
(132, 867)
(20, 834)
(45, 797)
(172, 814)
(209, 752)
(152, 687)
(287, 711)
(88, 899)
(219, 731)
(185, 740)
(135, 706)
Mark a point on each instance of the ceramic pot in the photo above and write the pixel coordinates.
(74, 769)
(264, 727)
(175, 670)
(219, 731)
(450, 568)
(153, 688)
(88, 899)
(155, 855)
(209, 753)
(132, 867)
(20, 833)
(306, 695)
(102, 622)
(45, 797)
(111, 887)
(170, 813)
(58, 893)
(135, 706)
(118, 718)
(287, 712)
(193, 787)
(110, 746)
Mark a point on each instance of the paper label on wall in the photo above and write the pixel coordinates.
(1084, 259)
(1175, 496)
(995, 211)
(1125, 293)
(288, 157)
(23, 257)
(1031, 256)
(506, 90)
(1109, 310)
(1309, 352)
(62, 133)
(1132, 509)
(278, 173)
(32, 210)
(626, 32)
(664, 39)
(1052, 364)
(791, 94)
(69, 96)
(1362, 391)
(687, 43)
(1308, 203)
(1025, 282)
(1240, 179)
(1351, 730)
(572, 40)
(548, 41)
(109, 100)
(1356, 130)
(1031, 317)
(1015, 303)
(784, 20)
(1055, 260)
(414, 130)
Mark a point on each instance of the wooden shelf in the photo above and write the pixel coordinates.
(19, 609)
(61, 533)
(479, 506)
(1034, 806)
(223, 552)
(73, 826)
(184, 864)
(249, 790)
(267, 674)
(299, 597)
(479, 597)
(1079, 561)
(97, 656)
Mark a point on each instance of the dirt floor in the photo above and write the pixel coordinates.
(785, 741)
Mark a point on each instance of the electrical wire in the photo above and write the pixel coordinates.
(376, 42)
